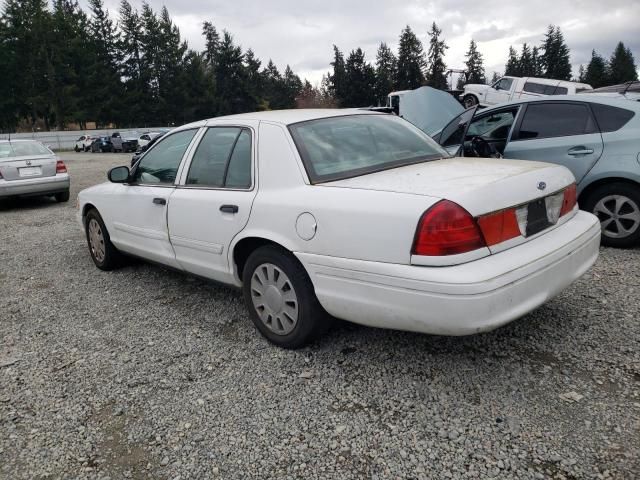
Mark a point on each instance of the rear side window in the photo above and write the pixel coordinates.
(222, 159)
(532, 87)
(560, 91)
(611, 118)
(546, 120)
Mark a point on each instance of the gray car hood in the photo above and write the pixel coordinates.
(429, 109)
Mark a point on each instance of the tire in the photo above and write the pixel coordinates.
(62, 196)
(291, 315)
(617, 205)
(104, 254)
(77, 150)
(470, 101)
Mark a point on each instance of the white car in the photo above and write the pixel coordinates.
(356, 214)
(145, 138)
(513, 88)
(83, 143)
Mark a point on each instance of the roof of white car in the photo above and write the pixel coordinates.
(580, 97)
(288, 117)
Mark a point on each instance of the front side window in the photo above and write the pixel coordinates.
(343, 147)
(160, 164)
(503, 84)
(222, 159)
(492, 127)
(545, 120)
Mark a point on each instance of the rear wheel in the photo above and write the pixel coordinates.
(281, 300)
(617, 205)
(103, 253)
(62, 196)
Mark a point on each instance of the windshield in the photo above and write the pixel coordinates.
(343, 147)
(23, 149)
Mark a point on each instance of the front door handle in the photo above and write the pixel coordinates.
(229, 208)
(580, 151)
(160, 201)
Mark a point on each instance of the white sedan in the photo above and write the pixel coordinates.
(344, 213)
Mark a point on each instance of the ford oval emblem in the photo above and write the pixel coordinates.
(542, 186)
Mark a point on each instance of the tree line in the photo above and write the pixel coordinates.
(62, 65)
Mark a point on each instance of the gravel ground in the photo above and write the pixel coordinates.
(147, 373)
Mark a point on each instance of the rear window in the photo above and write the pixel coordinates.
(23, 149)
(611, 118)
(544, 120)
(343, 147)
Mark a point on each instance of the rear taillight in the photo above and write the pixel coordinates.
(499, 226)
(61, 167)
(570, 199)
(447, 229)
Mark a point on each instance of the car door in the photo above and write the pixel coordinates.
(137, 210)
(559, 132)
(500, 91)
(213, 201)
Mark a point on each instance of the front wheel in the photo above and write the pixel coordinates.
(103, 253)
(617, 206)
(469, 101)
(76, 148)
(281, 300)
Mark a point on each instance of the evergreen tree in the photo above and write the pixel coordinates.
(8, 104)
(555, 57)
(436, 72)
(106, 88)
(495, 77)
(199, 94)
(337, 80)
(622, 66)
(291, 87)
(169, 63)
(536, 62)
(212, 43)
(255, 84)
(596, 73)
(386, 65)
(581, 74)
(230, 78)
(360, 81)
(411, 61)
(132, 70)
(474, 65)
(527, 64)
(512, 68)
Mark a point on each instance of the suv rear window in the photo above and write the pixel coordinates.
(342, 147)
(545, 120)
(611, 118)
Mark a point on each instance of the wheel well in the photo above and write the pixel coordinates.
(86, 209)
(604, 181)
(245, 247)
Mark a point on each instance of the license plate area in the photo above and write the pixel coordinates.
(537, 218)
(30, 171)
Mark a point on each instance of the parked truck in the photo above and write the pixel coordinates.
(513, 88)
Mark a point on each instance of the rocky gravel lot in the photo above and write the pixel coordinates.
(146, 373)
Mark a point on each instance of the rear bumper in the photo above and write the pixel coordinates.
(35, 186)
(459, 300)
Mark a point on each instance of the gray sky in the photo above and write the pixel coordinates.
(301, 33)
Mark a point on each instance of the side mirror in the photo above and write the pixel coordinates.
(118, 174)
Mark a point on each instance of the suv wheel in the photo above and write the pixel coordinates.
(280, 298)
(617, 205)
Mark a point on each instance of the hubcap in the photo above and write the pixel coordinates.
(96, 240)
(619, 216)
(274, 299)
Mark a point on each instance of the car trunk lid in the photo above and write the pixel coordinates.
(481, 186)
(22, 168)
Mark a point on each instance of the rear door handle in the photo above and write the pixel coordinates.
(229, 208)
(580, 151)
(160, 201)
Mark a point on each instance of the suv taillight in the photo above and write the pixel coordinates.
(61, 167)
(447, 229)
